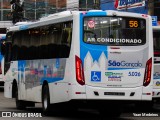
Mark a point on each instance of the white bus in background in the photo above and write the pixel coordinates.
(156, 74)
(3, 29)
(99, 57)
(2, 38)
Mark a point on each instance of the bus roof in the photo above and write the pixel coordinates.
(58, 17)
(66, 16)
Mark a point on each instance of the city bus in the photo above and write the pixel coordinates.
(156, 73)
(2, 38)
(101, 58)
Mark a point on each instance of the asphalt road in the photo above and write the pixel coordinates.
(7, 106)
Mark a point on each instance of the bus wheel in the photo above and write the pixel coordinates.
(46, 100)
(19, 103)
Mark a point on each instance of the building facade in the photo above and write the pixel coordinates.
(35, 9)
(151, 7)
(5, 8)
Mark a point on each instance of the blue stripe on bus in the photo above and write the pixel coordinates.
(120, 68)
(50, 80)
(101, 13)
(156, 78)
(23, 27)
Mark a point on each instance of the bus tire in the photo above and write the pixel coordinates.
(20, 105)
(46, 100)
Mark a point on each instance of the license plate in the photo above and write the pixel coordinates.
(115, 93)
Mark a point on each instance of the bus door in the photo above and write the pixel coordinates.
(114, 51)
(156, 74)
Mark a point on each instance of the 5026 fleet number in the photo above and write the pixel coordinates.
(134, 74)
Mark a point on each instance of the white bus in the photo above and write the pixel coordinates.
(156, 73)
(3, 29)
(100, 57)
(2, 38)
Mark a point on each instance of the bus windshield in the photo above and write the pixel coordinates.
(117, 31)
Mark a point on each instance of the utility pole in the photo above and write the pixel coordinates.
(35, 11)
(46, 6)
(56, 5)
(1, 10)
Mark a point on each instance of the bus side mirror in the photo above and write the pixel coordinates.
(2, 47)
